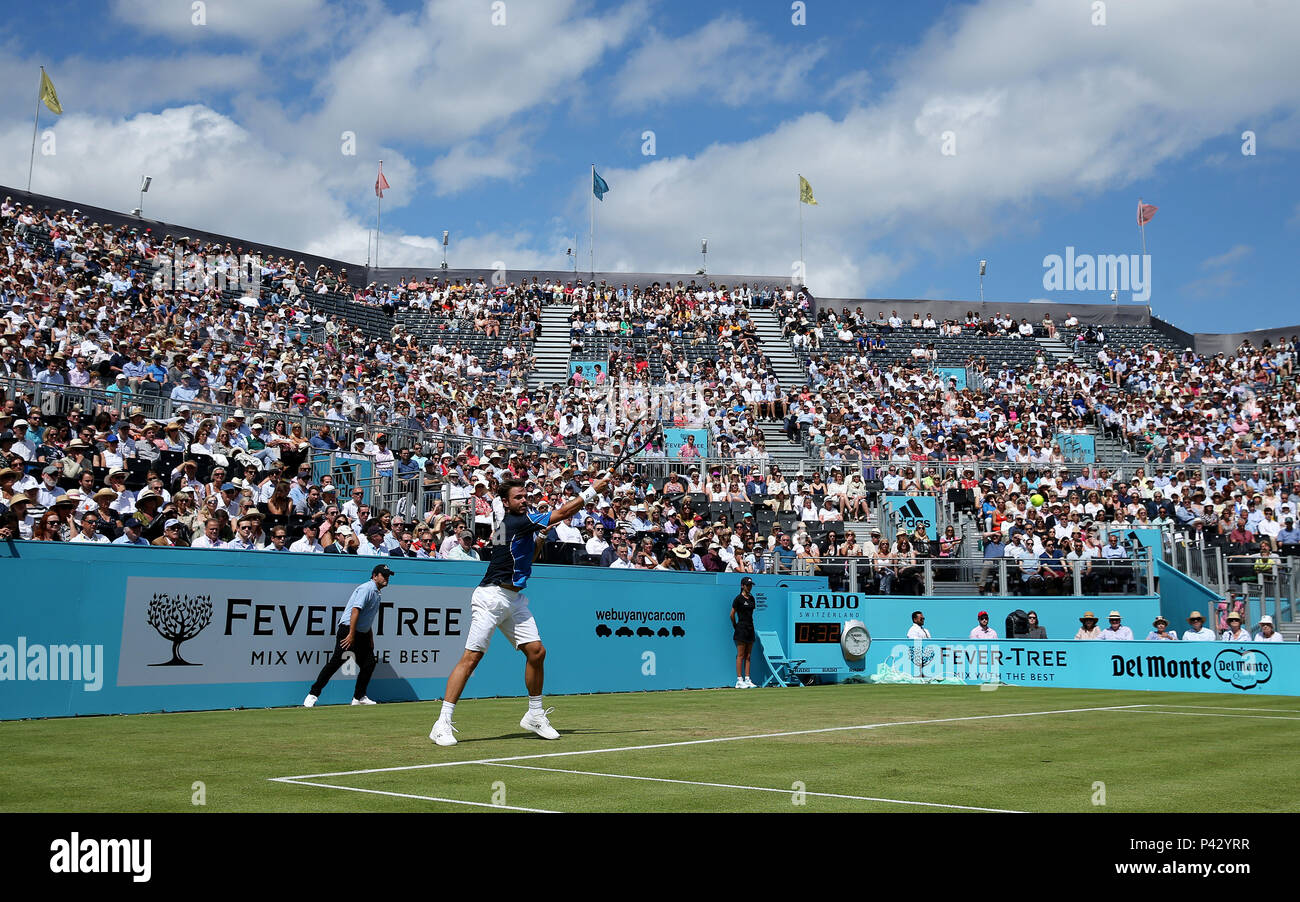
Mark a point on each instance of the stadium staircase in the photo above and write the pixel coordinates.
(790, 373)
(1058, 351)
(551, 353)
(972, 554)
(789, 456)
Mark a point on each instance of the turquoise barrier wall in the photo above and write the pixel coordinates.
(1180, 595)
(953, 617)
(1253, 668)
(116, 629)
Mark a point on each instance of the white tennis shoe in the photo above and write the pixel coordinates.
(537, 722)
(443, 732)
(740, 683)
(309, 701)
(749, 684)
(364, 700)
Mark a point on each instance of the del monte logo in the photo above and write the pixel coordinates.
(1243, 669)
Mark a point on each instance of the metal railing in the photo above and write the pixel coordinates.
(1269, 588)
(1003, 576)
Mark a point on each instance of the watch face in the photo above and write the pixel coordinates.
(856, 641)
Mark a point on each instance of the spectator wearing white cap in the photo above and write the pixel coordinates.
(1267, 633)
(23, 444)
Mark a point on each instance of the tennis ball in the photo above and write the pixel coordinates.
(1036, 500)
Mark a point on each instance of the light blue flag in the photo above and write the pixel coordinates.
(598, 185)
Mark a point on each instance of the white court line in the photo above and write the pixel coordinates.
(1225, 708)
(1205, 714)
(827, 795)
(665, 745)
(404, 795)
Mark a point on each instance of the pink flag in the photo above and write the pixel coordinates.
(1145, 212)
(381, 183)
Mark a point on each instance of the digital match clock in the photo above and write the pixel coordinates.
(816, 632)
(828, 632)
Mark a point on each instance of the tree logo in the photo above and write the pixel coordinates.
(178, 619)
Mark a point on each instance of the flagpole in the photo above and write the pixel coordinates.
(801, 239)
(35, 119)
(1142, 227)
(591, 234)
(379, 213)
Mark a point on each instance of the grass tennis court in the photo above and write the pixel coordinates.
(852, 748)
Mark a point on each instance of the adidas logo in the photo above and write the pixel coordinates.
(911, 510)
(910, 516)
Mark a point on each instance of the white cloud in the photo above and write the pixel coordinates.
(1227, 258)
(447, 73)
(1073, 111)
(207, 172)
(1219, 284)
(255, 21)
(726, 59)
(855, 87)
(507, 156)
(126, 84)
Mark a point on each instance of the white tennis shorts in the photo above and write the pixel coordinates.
(493, 607)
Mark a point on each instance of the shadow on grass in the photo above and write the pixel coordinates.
(524, 734)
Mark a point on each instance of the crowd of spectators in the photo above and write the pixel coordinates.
(262, 382)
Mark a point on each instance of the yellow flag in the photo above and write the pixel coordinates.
(805, 192)
(48, 95)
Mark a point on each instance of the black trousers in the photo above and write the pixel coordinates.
(363, 646)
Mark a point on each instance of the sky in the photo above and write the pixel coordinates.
(933, 135)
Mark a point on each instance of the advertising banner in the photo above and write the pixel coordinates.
(1078, 447)
(180, 631)
(1253, 668)
(956, 374)
(910, 511)
(675, 439)
(592, 370)
(128, 630)
(349, 470)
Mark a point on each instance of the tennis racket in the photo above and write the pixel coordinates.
(638, 438)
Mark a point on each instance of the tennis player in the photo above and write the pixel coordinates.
(499, 603)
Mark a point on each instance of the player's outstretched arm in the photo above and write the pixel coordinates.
(570, 508)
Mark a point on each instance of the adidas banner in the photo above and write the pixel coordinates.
(1078, 447)
(910, 511)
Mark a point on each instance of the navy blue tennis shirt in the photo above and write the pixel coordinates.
(512, 561)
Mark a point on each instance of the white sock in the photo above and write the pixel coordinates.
(447, 708)
(534, 704)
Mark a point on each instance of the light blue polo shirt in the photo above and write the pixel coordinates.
(365, 597)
